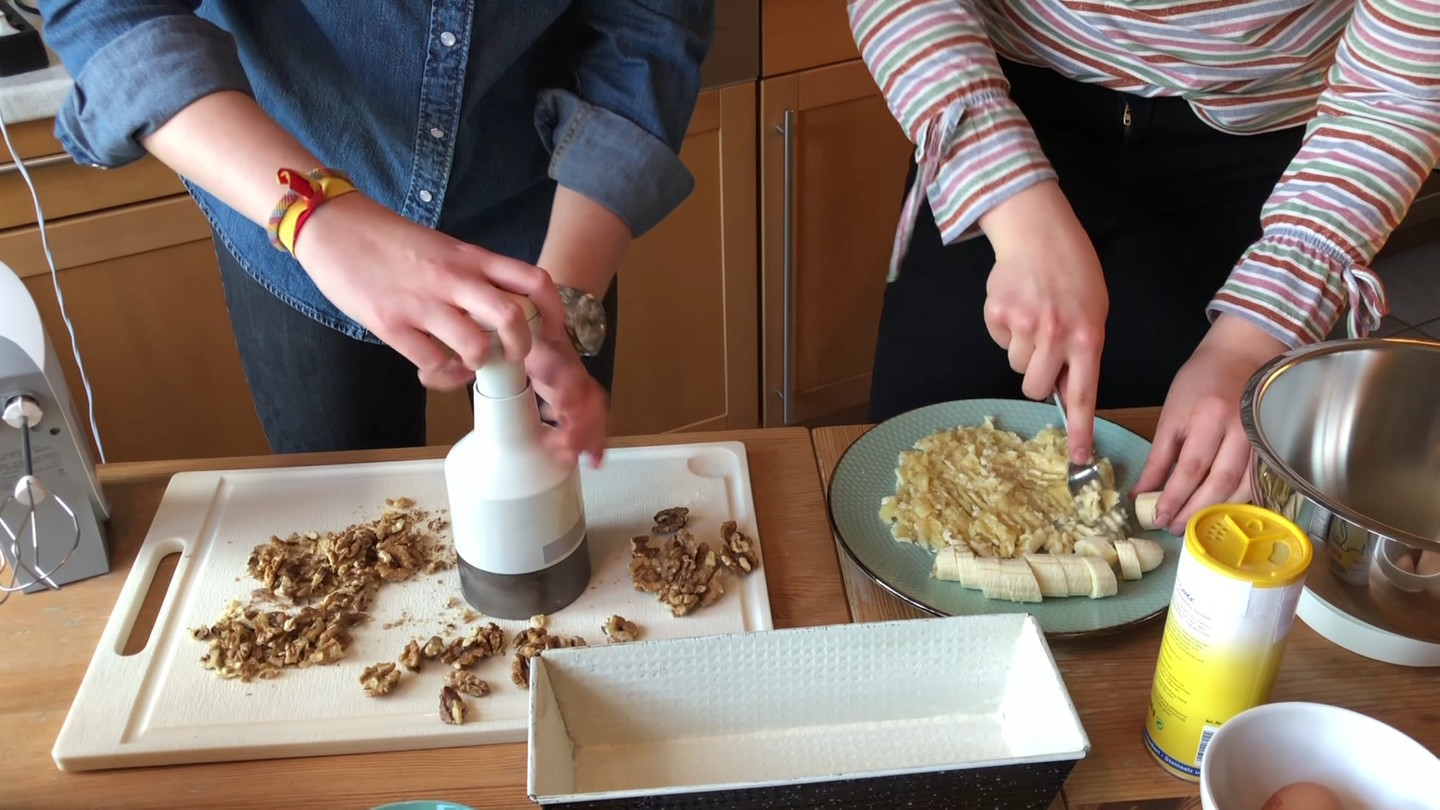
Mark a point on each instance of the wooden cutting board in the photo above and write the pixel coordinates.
(160, 706)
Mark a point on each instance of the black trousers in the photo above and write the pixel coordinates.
(316, 389)
(1170, 204)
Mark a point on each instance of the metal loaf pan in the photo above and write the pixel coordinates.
(925, 713)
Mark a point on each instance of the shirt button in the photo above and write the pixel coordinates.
(426, 196)
(436, 132)
(447, 39)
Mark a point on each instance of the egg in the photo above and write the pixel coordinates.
(1304, 796)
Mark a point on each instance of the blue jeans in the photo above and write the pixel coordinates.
(316, 389)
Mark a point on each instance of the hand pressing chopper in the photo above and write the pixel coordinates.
(517, 515)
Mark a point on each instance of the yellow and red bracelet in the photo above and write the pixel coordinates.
(305, 193)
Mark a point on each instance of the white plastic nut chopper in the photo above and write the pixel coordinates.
(517, 515)
(52, 511)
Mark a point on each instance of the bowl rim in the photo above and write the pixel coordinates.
(1260, 712)
(1254, 392)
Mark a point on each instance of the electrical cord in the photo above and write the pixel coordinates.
(55, 279)
(25, 7)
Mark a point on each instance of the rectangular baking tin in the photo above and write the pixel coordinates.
(916, 713)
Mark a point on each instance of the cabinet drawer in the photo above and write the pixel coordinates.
(801, 34)
(67, 188)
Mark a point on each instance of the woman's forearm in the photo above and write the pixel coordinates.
(225, 143)
(584, 244)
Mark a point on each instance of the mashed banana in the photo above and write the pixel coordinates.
(1001, 495)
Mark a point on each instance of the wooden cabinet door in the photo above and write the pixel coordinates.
(845, 180)
(143, 292)
(688, 352)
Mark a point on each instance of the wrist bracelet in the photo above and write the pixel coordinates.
(305, 193)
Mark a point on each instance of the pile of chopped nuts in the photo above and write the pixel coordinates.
(683, 573)
(317, 586)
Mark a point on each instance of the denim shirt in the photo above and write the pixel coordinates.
(460, 115)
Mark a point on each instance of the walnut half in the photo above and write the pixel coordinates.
(530, 643)
(669, 521)
(452, 706)
(410, 657)
(467, 682)
(483, 642)
(617, 628)
(379, 679)
(737, 551)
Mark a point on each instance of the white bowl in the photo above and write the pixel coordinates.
(1368, 764)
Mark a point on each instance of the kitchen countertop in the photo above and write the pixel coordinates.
(34, 95)
(1109, 677)
(50, 636)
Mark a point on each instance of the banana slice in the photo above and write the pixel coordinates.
(1097, 547)
(1145, 510)
(1148, 552)
(1129, 561)
(975, 569)
(1077, 574)
(947, 563)
(1102, 579)
(1049, 574)
(1011, 580)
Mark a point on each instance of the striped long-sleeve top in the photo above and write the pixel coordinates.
(1362, 75)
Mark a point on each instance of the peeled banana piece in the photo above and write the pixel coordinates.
(1049, 574)
(1097, 547)
(1035, 577)
(1149, 553)
(1129, 560)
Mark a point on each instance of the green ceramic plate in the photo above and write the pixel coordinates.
(866, 474)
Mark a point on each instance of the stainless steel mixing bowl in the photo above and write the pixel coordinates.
(1347, 444)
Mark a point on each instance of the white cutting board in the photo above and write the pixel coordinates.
(160, 707)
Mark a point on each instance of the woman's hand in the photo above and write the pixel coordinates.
(1046, 303)
(1199, 432)
(421, 291)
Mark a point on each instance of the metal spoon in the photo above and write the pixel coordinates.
(1079, 474)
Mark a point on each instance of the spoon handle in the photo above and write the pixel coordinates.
(1055, 395)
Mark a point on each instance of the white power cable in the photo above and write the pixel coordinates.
(55, 279)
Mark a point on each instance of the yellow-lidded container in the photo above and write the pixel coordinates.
(1239, 578)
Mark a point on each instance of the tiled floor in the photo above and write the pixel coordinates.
(1412, 284)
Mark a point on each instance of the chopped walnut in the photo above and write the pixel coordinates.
(315, 587)
(539, 620)
(410, 657)
(682, 573)
(669, 521)
(467, 615)
(737, 551)
(617, 628)
(452, 706)
(531, 642)
(483, 642)
(378, 679)
(433, 648)
(467, 683)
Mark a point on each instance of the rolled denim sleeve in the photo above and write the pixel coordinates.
(135, 64)
(617, 139)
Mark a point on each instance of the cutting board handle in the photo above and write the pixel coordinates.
(137, 586)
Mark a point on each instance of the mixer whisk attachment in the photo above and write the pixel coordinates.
(23, 412)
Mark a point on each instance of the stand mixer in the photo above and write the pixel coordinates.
(517, 515)
(52, 510)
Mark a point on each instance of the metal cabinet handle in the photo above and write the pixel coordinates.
(787, 289)
(35, 163)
